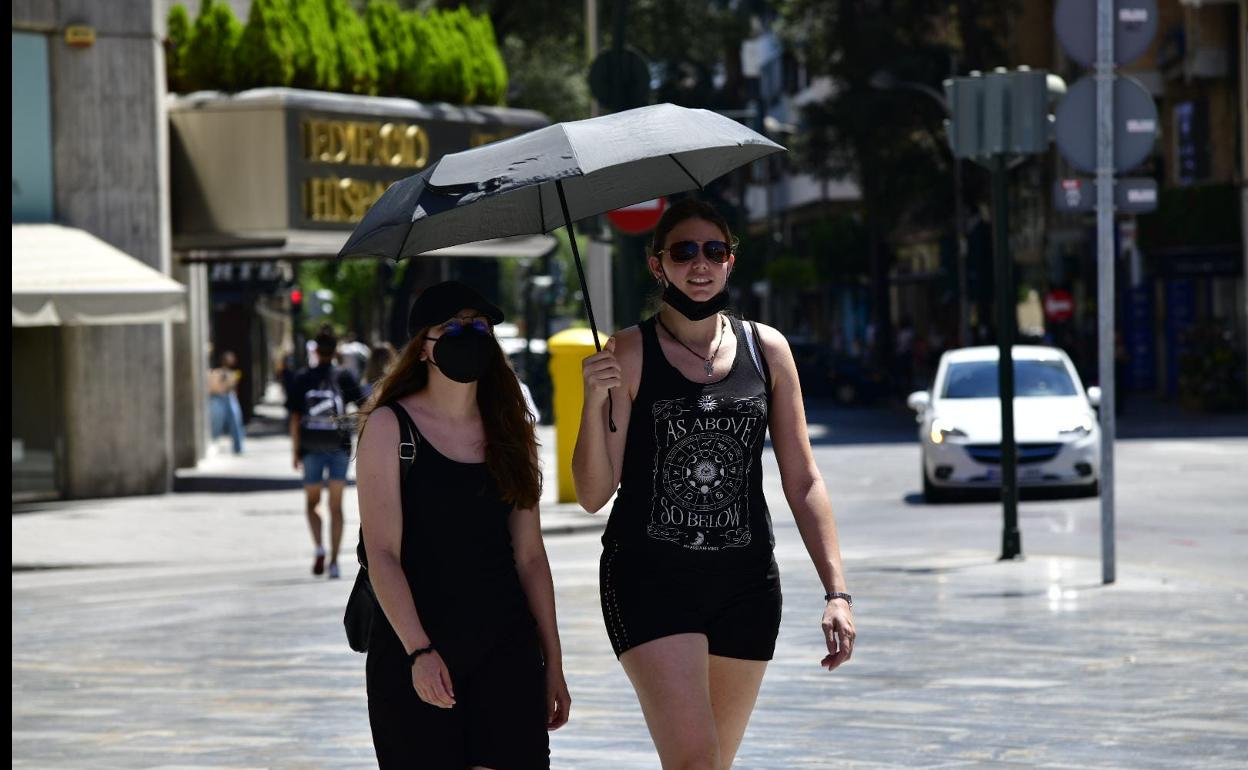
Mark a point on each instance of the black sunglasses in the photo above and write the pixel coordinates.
(687, 251)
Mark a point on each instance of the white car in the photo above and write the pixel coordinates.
(1055, 423)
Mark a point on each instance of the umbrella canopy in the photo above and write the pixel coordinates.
(553, 176)
(514, 187)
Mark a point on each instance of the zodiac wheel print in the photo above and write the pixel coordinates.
(705, 471)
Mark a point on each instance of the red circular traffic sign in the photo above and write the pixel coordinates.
(638, 218)
(1059, 306)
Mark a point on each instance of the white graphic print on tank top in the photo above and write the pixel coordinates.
(702, 461)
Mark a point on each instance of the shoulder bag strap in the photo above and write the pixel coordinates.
(755, 343)
(407, 458)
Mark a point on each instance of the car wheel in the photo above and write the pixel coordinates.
(931, 492)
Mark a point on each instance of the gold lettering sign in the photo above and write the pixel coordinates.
(365, 143)
(339, 200)
(478, 138)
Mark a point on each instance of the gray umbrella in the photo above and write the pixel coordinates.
(554, 176)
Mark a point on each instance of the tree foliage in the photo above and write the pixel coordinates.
(177, 48)
(269, 46)
(316, 47)
(356, 53)
(211, 52)
(384, 20)
(439, 55)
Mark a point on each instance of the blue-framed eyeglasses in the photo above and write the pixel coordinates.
(457, 326)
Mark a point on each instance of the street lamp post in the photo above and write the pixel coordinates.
(886, 81)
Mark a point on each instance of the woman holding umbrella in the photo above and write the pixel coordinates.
(464, 667)
(689, 585)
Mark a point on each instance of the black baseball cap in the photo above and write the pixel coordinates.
(444, 300)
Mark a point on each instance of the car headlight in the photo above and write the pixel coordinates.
(943, 429)
(1081, 428)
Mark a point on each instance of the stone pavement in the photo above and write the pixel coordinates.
(183, 631)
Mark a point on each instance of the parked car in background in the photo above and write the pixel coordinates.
(1055, 423)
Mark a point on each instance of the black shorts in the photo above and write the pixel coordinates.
(499, 718)
(738, 612)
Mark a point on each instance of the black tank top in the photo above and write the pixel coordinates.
(691, 490)
(457, 556)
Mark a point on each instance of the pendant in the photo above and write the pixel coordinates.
(710, 369)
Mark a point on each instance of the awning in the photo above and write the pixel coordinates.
(302, 244)
(63, 276)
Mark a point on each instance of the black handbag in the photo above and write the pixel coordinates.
(362, 606)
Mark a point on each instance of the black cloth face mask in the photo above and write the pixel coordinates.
(465, 356)
(690, 308)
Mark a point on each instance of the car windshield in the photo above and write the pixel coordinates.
(978, 379)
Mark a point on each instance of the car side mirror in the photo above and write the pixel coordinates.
(1094, 397)
(919, 400)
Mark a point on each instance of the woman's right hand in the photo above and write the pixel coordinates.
(432, 680)
(601, 372)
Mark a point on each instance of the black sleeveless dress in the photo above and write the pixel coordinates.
(689, 545)
(457, 556)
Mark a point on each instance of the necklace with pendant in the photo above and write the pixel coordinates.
(707, 363)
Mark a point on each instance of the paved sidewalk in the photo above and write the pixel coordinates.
(184, 631)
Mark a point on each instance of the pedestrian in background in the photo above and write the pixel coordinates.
(321, 438)
(225, 411)
(689, 584)
(465, 667)
(380, 358)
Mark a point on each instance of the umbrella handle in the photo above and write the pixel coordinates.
(589, 307)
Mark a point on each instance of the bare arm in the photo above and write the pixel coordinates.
(533, 567)
(598, 458)
(381, 517)
(805, 491)
(294, 439)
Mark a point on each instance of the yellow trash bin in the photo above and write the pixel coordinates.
(567, 350)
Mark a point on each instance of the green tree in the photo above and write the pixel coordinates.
(391, 40)
(419, 63)
(177, 48)
(214, 42)
(890, 146)
(356, 55)
(267, 50)
(317, 64)
(452, 80)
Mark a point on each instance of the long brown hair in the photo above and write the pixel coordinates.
(510, 435)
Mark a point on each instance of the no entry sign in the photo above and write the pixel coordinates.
(1059, 306)
(638, 218)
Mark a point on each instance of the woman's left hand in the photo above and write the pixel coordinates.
(558, 701)
(838, 631)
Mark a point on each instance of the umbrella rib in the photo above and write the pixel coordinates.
(692, 178)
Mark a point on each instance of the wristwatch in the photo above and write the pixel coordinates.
(838, 595)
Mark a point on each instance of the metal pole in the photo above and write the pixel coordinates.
(1105, 270)
(591, 45)
(959, 223)
(1007, 301)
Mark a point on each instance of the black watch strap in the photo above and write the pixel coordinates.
(838, 595)
(414, 654)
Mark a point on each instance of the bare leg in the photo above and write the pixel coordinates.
(671, 677)
(335, 519)
(312, 500)
(734, 690)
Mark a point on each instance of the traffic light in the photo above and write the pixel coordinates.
(1002, 113)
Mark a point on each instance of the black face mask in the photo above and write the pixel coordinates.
(463, 357)
(691, 308)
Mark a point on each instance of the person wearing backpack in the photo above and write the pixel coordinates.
(321, 439)
(465, 667)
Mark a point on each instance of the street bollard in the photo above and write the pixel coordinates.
(567, 350)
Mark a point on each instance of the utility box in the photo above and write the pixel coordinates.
(567, 350)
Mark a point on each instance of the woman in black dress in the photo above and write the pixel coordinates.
(464, 668)
(690, 589)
